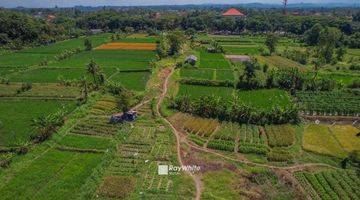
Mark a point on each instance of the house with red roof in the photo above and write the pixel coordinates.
(233, 13)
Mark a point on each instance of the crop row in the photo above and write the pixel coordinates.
(280, 135)
(245, 147)
(200, 126)
(330, 184)
(245, 133)
(106, 105)
(95, 126)
(197, 139)
(153, 182)
(224, 145)
(341, 103)
(279, 155)
(127, 46)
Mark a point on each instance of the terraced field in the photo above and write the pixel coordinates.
(34, 56)
(54, 75)
(122, 59)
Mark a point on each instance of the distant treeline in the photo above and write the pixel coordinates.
(18, 27)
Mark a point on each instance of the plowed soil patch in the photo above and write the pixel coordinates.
(127, 46)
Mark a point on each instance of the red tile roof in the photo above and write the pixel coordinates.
(233, 12)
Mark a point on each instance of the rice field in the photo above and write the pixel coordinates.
(207, 74)
(344, 78)
(44, 91)
(213, 61)
(242, 49)
(346, 135)
(132, 80)
(135, 39)
(54, 75)
(16, 117)
(62, 178)
(318, 139)
(223, 75)
(8, 70)
(85, 142)
(122, 59)
(353, 52)
(279, 62)
(195, 91)
(262, 99)
(265, 98)
(127, 46)
(71, 44)
(34, 56)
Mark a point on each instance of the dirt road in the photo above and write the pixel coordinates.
(196, 179)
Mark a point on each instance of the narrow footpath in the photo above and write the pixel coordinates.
(196, 178)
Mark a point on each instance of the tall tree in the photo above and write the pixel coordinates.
(312, 36)
(88, 44)
(93, 69)
(176, 40)
(271, 42)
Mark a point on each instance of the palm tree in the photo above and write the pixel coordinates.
(285, 2)
(84, 90)
(93, 69)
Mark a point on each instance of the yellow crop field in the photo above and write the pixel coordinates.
(318, 139)
(346, 135)
(127, 46)
(196, 125)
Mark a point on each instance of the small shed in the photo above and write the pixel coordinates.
(238, 58)
(191, 59)
(96, 31)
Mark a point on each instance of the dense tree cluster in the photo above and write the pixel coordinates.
(232, 109)
(255, 76)
(18, 29)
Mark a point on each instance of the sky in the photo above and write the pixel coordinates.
(70, 3)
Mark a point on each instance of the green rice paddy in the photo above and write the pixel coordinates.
(132, 80)
(53, 75)
(62, 178)
(213, 61)
(261, 99)
(122, 59)
(16, 117)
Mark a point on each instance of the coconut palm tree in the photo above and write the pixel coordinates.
(93, 69)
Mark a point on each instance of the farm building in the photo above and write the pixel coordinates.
(233, 13)
(238, 58)
(96, 31)
(191, 59)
